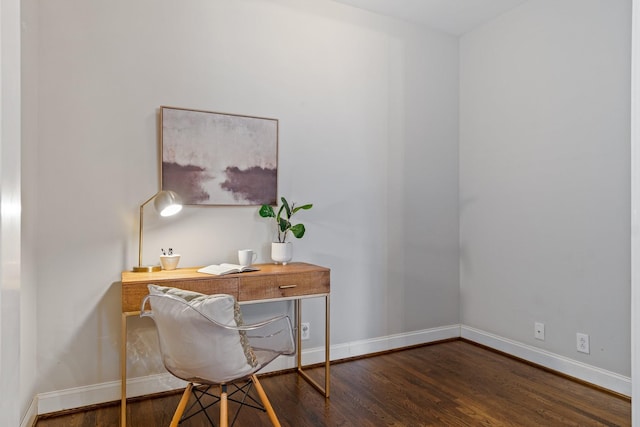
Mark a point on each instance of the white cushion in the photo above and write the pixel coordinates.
(194, 348)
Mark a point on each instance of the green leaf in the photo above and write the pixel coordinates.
(284, 224)
(305, 207)
(279, 213)
(285, 204)
(266, 211)
(298, 230)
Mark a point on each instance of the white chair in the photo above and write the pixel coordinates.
(203, 341)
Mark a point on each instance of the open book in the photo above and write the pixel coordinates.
(221, 269)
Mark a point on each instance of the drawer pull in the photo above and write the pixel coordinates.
(287, 286)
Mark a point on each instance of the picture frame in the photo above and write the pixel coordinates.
(211, 158)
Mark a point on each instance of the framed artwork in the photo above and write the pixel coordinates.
(213, 158)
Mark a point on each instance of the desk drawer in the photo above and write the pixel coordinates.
(132, 294)
(283, 286)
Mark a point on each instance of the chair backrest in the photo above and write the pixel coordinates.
(197, 338)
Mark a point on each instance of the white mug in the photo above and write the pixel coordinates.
(246, 257)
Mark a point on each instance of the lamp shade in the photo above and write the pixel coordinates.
(167, 203)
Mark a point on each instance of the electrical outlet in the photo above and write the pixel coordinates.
(538, 332)
(305, 331)
(582, 343)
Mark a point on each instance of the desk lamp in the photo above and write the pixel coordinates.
(167, 203)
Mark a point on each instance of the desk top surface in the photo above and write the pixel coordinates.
(130, 277)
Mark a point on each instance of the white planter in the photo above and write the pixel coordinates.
(281, 253)
(169, 262)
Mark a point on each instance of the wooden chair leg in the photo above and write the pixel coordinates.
(265, 401)
(224, 416)
(181, 406)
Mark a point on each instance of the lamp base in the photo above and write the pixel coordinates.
(146, 268)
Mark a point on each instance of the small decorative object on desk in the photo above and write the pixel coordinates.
(246, 257)
(169, 260)
(282, 251)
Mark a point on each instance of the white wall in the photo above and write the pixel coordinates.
(368, 131)
(544, 177)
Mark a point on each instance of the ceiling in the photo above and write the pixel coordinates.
(452, 16)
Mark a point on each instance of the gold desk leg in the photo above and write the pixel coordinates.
(123, 372)
(298, 307)
(327, 361)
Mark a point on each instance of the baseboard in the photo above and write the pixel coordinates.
(94, 394)
(392, 342)
(110, 391)
(29, 419)
(581, 371)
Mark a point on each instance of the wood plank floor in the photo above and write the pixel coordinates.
(453, 383)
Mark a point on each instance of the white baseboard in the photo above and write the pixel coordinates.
(78, 397)
(29, 419)
(392, 342)
(110, 391)
(573, 368)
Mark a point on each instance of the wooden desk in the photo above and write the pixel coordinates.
(293, 281)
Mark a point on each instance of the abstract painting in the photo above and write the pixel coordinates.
(213, 158)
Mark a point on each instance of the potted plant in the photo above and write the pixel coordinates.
(281, 250)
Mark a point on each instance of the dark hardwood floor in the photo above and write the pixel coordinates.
(453, 383)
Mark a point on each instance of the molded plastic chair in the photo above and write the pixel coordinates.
(203, 341)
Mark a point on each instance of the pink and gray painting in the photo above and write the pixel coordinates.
(219, 159)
